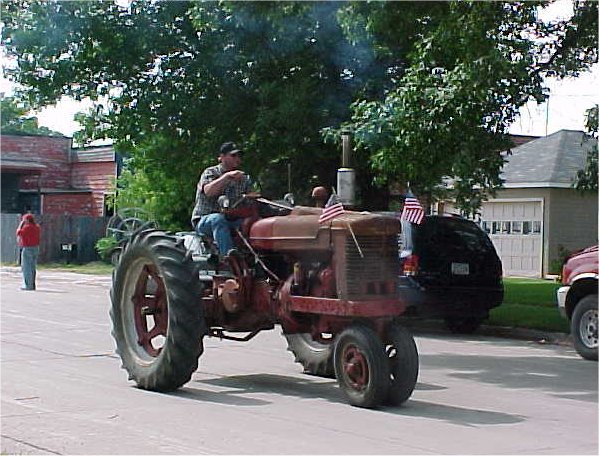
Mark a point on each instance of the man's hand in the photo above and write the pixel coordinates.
(217, 186)
(235, 175)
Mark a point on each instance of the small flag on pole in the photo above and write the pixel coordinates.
(332, 209)
(412, 210)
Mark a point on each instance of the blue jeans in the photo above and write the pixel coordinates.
(217, 226)
(28, 265)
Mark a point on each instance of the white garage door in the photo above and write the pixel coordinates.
(516, 229)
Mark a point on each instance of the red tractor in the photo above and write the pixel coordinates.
(332, 287)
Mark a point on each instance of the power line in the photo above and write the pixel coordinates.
(574, 95)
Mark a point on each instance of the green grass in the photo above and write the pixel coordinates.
(529, 303)
(95, 267)
(534, 292)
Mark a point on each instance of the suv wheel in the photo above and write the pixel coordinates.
(584, 327)
(463, 325)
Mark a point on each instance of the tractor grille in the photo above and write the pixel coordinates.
(376, 273)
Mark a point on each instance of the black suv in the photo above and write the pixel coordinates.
(449, 270)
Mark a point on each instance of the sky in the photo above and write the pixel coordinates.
(565, 108)
(568, 98)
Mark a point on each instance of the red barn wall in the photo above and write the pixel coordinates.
(91, 170)
(98, 177)
(68, 203)
(52, 152)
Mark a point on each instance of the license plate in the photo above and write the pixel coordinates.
(460, 268)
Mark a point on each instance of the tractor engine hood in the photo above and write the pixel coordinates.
(300, 230)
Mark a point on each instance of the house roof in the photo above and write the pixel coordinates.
(550, 161)
(47, 191)
(11, 165)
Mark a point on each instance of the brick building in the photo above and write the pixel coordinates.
(46, 175)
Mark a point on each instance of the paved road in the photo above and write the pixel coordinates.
(64, 393)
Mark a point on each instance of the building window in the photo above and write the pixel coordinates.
(516, 227)
(512, 227)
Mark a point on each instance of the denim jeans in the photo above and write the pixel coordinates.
(28, 265)
(217, 226)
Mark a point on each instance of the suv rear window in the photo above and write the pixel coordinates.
(445, 233)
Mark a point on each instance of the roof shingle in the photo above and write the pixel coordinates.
(551, 161)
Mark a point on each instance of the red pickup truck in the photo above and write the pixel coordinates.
(577, 299)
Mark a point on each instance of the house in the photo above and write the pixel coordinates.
(538, 214)
(45, 175)
(65, 187)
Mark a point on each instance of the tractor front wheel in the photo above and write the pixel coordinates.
(361, 366)
(403, 364)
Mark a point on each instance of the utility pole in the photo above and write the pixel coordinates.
(547, 117)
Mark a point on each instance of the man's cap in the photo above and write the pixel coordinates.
(28, 217)
(229, 148)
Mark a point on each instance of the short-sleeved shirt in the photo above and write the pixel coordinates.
(29, 235)
(208, 205)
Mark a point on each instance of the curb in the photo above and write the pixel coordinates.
(507, 332)
(534, 335)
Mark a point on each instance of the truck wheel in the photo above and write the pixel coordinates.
(157, 318)
(361, 366)
(403, 364)
(463, 325)
(314, 356)
(584, 327)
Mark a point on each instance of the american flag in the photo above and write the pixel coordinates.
(332, 209)
(412, 210)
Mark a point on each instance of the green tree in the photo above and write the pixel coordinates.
(586, 179)
(433, 85)
(173, 80)
(463, 70)
(16, 119)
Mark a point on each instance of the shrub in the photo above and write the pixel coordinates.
(555, 266)
(105, 246)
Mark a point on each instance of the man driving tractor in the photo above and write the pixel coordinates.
(223, 179)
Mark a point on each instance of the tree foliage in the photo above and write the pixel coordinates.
(586, 179)
(17, 120)
(459, 87)
(428, 88)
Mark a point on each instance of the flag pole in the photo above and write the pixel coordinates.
(355, 240)
(353, 235)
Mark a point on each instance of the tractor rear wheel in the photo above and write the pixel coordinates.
(403, 364)
(156, 313)
(314, 356)
(361, 366)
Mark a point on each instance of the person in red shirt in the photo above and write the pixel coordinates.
(29, 234)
